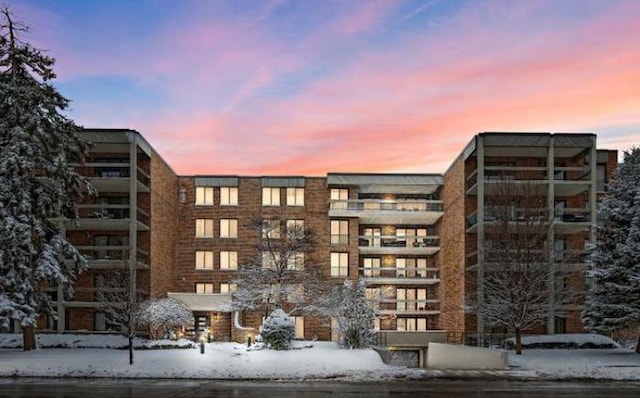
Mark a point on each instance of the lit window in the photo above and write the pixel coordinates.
(228, 228)
(271, 196)
(295, 293)
(202, 288)
(339, 264)
(204, 196)
(270, 260)
(339, 232)
(339, 198)
(204, 260)
(228, 260)
(204, 228)
(295, 228)
(228, 196)
(299, 323)
(296, 261)
(227, 287)
(271, 229)
(295, 196)
(371, 267)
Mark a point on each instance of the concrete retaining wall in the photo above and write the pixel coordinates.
(447, 356)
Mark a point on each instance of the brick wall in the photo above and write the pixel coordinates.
(452, 249)
(164, 205)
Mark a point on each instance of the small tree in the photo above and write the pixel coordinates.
(278, 330)
(354, 314)
(613, 301)
(281, 275)
(37, 185)
(165, 315)
(124, 312)
(517, 291)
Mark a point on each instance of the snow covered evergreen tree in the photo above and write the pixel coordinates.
(165, 315)
(278, 330)
(613, 301)
(353, 313)
(37, 186)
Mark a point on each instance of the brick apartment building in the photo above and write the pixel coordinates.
(416, 239)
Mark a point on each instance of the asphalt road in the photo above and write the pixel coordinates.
(99, 388)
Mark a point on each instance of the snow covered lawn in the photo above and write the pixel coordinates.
(308, 361)
(221, 361)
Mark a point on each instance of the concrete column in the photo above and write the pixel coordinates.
(60, 307)
(133, 205)
(481, 242)
(593, 208)
(551, 240)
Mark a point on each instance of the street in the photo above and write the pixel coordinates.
(99, 388)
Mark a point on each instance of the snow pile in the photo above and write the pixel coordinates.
(611, 364)
(68, 340)
(564, 341)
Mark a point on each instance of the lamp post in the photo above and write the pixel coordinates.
(202, 339)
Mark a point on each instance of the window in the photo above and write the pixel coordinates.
(411, 299)
(374, 296)
(271, 229)
(371, 267)
(228, 228)
(271, 196)
(270, 260)
(227, 287)
(295, 294)
(202, 288)
(339, 232)
(299, 323)
(411, 324)
(296, 261)
(339, 198)
(295, 228)
(204, 260)
(204, 196)
(339, 264)
(228, 260)
(295, 196)
(228, 196)
(204, 228)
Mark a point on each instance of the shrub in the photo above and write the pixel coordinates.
(278, 330)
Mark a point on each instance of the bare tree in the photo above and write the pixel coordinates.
(517, 290)
(124, 309)
(164, 316)
(281, 275)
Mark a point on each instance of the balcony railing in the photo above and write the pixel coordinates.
(406, 272)
(571, 174)
(398, 241)
(572, 215)
(106, 211)
(386, 205)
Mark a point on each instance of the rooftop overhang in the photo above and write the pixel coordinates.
(208, 302)
(420, 184)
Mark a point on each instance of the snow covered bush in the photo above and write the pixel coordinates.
(163, 316)
(278, 330)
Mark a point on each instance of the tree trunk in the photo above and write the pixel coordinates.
(130, 350)
(28, 338)
(638, 345)
(518, 342)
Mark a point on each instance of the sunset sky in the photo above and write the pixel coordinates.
(308, 87)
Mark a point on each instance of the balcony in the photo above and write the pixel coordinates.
(106, 257)
(113, 177)
(409, 307)
(108, 217)
(572, 220)
(379, 211)
(400, 276)
(570, 181)
(393, 244)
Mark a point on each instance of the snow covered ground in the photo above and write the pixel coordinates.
(308, 361)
